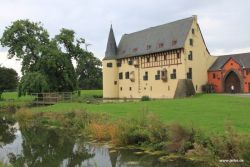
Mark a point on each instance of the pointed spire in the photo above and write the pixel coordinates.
(111, 49)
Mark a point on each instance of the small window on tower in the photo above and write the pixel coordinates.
(148, 59)
(115, 82)
(109, 65)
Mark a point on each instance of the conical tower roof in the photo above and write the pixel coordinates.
(111, 50)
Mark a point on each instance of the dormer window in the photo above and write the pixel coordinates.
(148, 47)
(160, 45)
(135, 49)
(174, 42)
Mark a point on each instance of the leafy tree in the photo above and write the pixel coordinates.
(25, 40)
(89, 71)
(8, 79)
(50, 60)
(33, 83)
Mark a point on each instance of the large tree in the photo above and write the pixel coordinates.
(89, 71)
(8, 79)
(51, 58)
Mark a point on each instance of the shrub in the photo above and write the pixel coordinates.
(227, 146)
(99, 131)
(145, 98)
(181, 140)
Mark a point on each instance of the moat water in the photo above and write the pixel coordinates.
(48, 147)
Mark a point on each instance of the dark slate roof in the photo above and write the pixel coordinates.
(136, 43)
(243, 59)
(111, 50)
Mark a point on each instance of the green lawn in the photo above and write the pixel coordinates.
(209, 112)
(11, 98)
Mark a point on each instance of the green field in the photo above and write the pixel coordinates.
(208, 112)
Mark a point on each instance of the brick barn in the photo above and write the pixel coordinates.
(230, 70)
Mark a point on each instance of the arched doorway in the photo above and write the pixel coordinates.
(232, 79)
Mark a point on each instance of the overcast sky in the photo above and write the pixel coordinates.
(225, 24)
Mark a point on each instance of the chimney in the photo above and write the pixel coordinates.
(195, 18)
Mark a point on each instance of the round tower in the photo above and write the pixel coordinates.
(110, 70)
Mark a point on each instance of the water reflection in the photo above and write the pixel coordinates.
(46, 147)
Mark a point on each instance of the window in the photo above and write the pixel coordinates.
(118, 64)
(214, 76)
(193, 31)
(178, 55)
(191, 42)
(127, 75)
(164, 75)
(148, 47)
(190, 56)
(165, 57)
(120, 75)
(145, 77)
(130, 88)
(121, 88)
(247, 71)
(160, 45)
(130, 62)
(157, 76)
(115, 82)
(155, 58)
(109, 64)
(196, 87)
(174, 42)
(189, 74)
(135, 49)
(173, 75)
(148, 59)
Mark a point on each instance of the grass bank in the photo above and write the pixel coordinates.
(207, 112)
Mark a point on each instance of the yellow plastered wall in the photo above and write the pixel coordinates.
(110, 76)
(202, 60)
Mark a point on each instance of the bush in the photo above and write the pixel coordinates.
(145, 98)
(207, 88)
(181, 140)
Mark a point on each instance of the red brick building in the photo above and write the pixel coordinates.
(230, 70)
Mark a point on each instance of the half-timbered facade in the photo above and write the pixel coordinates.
(165, 61)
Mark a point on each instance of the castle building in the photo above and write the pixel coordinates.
(166, 61)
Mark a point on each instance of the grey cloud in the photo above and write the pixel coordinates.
(224, 23)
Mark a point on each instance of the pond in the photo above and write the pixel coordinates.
(49, 147)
